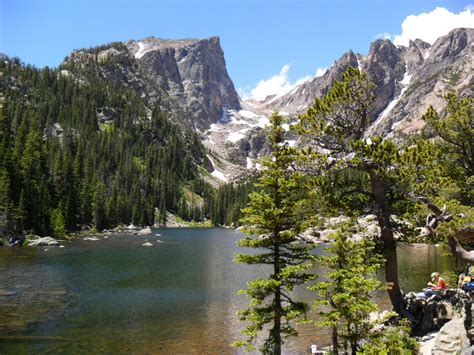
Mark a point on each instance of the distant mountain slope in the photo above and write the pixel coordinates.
(78, 150)
(408, 80)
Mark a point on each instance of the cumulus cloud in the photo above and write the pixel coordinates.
(278, 84)
(244, 93)
(320, 72)
(429, 26)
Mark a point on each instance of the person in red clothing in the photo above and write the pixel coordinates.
(440, 283)
(437, 284)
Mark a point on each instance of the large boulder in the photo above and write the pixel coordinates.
(144, 231)
(42, 241)
(452, 339)
(432, 313)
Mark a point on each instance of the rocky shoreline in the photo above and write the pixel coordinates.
(90, 234)
(443, 322)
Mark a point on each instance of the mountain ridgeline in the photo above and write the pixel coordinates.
(187, 78)
(124, 133)
(408, 80)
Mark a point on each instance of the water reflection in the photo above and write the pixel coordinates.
(116, 295)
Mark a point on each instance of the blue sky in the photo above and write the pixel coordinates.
(284, 39)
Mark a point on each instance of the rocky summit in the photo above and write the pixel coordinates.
(187, 77)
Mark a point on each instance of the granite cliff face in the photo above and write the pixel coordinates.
(187, 78)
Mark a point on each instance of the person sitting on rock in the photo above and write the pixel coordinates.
(437, 283)
(466, 280)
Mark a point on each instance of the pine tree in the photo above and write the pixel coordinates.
(454, 139)
(35, 194)
(344, 298)
(456, 131)
(98, 206)
(271, 226)
(57, 223)
(356, 175)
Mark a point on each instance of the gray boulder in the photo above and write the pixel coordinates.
(42, 241)
(431, 314)
(452, 339)
(144, 231)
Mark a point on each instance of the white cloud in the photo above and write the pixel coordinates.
(276, 85)
(244, 93)
(320, 72)
(384, 35)
(432, 25)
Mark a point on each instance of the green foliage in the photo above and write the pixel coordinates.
(54, 155)
(342, 115)
(344, 297)
(272, 224)
(456, 133)
(57, 223)
(356, 176)
(390, 340)
(226, 203)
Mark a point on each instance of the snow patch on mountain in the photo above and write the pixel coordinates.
(249, 163)
(405, 83)
(143, 48)
(236, 136)
(216, 173)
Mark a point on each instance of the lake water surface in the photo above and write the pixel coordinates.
(117, 296)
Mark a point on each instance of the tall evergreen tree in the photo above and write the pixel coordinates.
(271, 226)
(456, 134)
(35, 196)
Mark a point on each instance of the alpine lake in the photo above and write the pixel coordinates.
(178, 296)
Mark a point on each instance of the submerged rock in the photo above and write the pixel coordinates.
(146, 230)
(6, 293)
(91, 238)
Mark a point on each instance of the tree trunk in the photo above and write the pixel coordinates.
(391, 272)
(390, 247)
(335, 342)
(278, 311)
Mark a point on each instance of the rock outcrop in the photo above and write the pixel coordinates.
(408, 80)
(188, 78)
(42, 241)
(432, 313)
(452, 339)
(444, 321)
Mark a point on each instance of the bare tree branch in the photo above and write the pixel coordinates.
(459, 252)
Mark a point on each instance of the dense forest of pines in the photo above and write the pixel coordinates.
(77, 153)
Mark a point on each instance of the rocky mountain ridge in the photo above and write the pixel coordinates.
(407, 79)
(188, 78)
